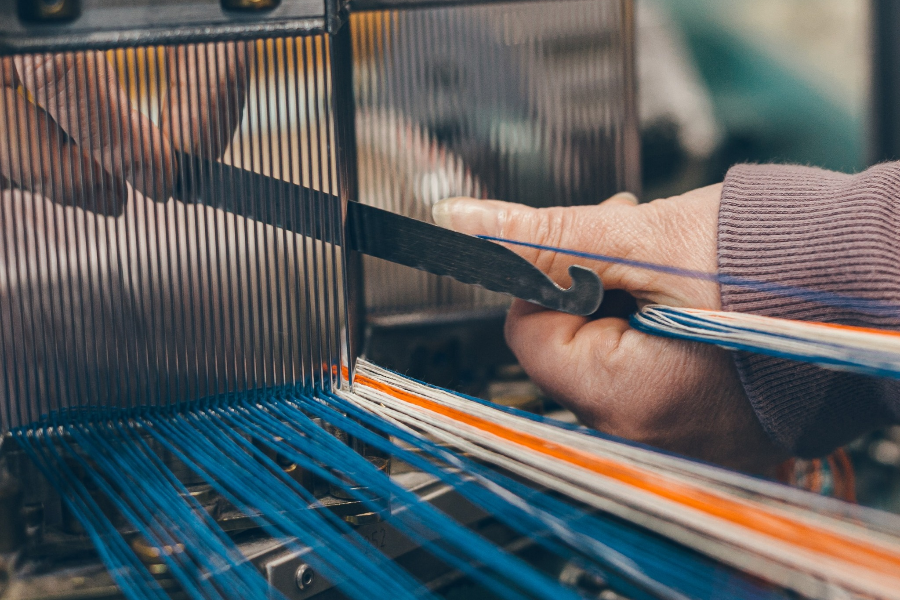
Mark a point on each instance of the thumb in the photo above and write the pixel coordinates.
(614, 228)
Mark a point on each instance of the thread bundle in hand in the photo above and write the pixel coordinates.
(861, 350)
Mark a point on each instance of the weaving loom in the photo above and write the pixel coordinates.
(187, 402)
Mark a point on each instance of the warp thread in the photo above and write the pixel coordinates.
(225, 441)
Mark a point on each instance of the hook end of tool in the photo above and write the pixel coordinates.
(584, 296)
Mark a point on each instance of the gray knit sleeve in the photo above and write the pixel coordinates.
(810, 228)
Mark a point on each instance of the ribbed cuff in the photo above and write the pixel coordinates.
(804, 227)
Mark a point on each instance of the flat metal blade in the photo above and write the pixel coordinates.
(384, 235)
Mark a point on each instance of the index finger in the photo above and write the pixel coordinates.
(614, 228)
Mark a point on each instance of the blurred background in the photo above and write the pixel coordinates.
(798, 81)
(727, 81)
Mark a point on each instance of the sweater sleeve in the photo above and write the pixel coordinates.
(816, 229)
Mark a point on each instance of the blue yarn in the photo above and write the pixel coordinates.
(866, 362)
(167, 521)
(225, 441)
(124, 566)
(248, 487)
(228, 548)
(171, 517)
(862, 305)
(416, 521)
(146, 521)
(385, 568)
(306, 463)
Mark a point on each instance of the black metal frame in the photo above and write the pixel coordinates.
(289, 19)
(344, 113)
(104, 24)
(359, 5)
(885, 119)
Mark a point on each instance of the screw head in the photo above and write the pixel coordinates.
(304, 577)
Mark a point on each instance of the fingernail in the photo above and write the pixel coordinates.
(627, 196)
(478, 217)
(442, 212)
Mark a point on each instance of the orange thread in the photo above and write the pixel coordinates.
(734, 511)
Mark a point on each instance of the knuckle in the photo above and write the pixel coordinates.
(506, 225)
(549, 227)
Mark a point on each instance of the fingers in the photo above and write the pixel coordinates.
(35, 155)
(673, 232)
(83, 94)
(207, 90)
(680, 396)
(615, 228)
(611, 376)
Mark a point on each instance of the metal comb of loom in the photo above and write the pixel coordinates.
(179, 183)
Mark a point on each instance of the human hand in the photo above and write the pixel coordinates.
(671, 394)
(72, 143)
(69, 132)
